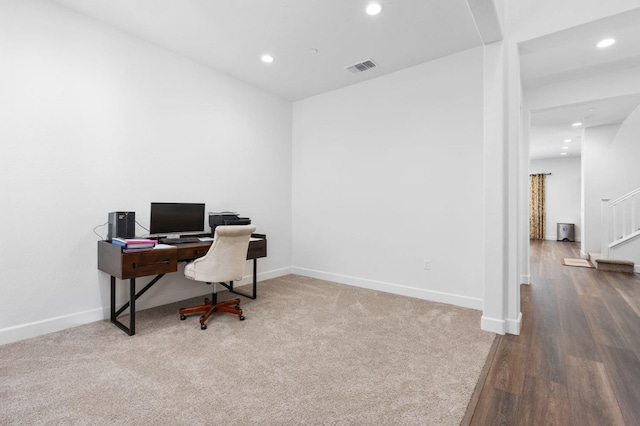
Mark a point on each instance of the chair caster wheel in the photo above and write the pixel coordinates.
(241, 318)
(182, 317)
(203, 326)
(237, 307)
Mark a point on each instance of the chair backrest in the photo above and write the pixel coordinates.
(226, 258)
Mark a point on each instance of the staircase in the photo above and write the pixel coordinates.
(620, 239)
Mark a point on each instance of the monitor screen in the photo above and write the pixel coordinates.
(173, 218)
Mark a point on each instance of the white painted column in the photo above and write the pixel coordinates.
(504, 189)
(495, 191)
(516, 185)
(523, 207)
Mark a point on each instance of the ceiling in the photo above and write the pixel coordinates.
(551, 127)
(231, 36)
(568, 54)
(314, 41)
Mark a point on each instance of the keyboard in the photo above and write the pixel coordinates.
(179, 240)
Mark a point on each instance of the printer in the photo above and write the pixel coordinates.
(226, 218)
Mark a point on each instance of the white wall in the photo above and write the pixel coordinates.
(387, 174)
(596, 142)
(611, 154)
(562, 192)
(90, 119)
(618, 168)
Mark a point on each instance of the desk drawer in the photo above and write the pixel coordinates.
(257, 249)
(192, 251)
(151, 262)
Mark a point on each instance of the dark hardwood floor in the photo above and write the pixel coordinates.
(577, 358)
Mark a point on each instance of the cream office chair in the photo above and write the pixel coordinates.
(224, 262)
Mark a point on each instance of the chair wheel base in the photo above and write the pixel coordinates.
(229, 306)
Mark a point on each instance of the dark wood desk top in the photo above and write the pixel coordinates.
(115, 262)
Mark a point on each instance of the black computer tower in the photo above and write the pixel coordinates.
(122, 225)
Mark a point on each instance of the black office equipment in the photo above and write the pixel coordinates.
(181, 240)
(226, 218)
(174, 218)
(122, 225)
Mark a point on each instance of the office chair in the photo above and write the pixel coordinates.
(224, 262)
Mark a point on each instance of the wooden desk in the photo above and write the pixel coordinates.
(121, 265)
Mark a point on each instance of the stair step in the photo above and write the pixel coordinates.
(614, 265)
(594, 256)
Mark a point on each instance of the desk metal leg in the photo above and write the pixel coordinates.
(255, 280)
(131, 330)
(113, 298)
(132, 303)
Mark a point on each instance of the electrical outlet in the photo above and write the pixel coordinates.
(427, 265)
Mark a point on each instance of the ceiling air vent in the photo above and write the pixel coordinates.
(362, 66)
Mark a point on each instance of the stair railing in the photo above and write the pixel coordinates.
(620, 218)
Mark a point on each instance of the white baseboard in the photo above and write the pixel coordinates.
(38, 328)
(262, 276)
(50, 325)
(514, 325)
(434, 296)
(493, 325)
(555, 238)
(498, 326)
(525, 279)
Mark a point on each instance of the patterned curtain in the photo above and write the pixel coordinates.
(536, 207)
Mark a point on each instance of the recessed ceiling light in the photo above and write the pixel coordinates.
(565, 147)
(577, 123)
(567, 140)
(563, 153)
(267, 59)
(374, 8)
(606, 42)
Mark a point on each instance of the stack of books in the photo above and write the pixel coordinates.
(134, 244)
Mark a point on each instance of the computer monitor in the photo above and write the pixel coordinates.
(176, 218)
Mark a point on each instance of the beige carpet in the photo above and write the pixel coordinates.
(582, 263)
(310, 352)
